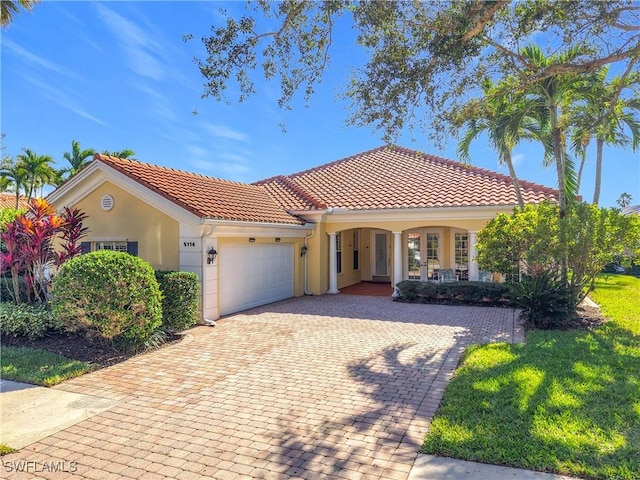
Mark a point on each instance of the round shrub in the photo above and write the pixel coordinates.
(180, 297)
(113, 294)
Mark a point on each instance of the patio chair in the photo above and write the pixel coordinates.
(485, 276)
(447, 275)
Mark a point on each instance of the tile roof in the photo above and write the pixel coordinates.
(8, 200)
(394, 178)
(631, 209)
(204, 196)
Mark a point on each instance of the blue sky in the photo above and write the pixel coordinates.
(117, 75)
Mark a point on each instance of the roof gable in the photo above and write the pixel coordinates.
(205, 197)
(398, 178)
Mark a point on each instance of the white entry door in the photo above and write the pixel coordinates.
(253, 275)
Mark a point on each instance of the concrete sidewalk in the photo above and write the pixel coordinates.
(429, 467)
(29, 413)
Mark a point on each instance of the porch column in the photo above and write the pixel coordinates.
(397, 261)
(473, 253)
(333, 264)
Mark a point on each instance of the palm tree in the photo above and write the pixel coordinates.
(624, 200)
(14, 173)
(77, 159)
(606, 115)
(38, 171)
(8, 8)
(556, 93)
(505, 116)
(126, 153)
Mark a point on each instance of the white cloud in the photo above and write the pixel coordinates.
(33, 59)
(226, 133)
(62, 99)
(139, 46)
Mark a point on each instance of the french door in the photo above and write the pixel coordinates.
(424, 254)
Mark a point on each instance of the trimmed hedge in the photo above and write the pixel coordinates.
(26, 320)
(181, 296)
(113, 294)
(453, 293)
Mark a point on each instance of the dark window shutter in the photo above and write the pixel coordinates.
(85, 247)
(132, 248)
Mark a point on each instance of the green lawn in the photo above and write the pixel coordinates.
(38, 367)
(565, 402)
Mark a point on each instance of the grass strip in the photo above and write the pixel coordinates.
(566, 401)
(30, 365)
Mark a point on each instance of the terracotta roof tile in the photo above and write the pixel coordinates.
(204, 196)
(393, 178)
(8, 200)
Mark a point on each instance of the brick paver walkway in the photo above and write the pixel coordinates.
(317, 387)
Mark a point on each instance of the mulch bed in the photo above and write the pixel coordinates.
(585, 318)
(77, 347)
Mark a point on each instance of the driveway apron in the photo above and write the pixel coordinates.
(316, 387)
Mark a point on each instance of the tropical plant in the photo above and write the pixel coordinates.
(624, 200)
(606, 114)
(8, 8)
(544, 300)
(14, 173)
(507, 117)
(31, 254)
(126, 153)
(110, 294)
(38, 171)
(77, 159)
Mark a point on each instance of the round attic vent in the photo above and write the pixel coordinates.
(107, 202)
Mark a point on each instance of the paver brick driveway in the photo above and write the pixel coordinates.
(317, 387)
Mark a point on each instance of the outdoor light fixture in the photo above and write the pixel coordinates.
(277, 239)
(303, 250)
(252, 240)
(211, 256)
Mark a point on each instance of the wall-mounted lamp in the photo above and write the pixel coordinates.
(303, 250)
(277, 239)
(252, 240)
(211, 256)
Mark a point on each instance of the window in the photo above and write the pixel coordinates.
(115, 246)
(356, 250)
(339, 251)
(461, 254)
(432, 253)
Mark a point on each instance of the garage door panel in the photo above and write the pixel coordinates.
(253, 275)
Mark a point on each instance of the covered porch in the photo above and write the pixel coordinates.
(426, 253)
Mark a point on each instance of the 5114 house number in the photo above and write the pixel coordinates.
(189, 244)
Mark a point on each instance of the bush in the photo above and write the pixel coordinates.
(24, 320)
(545, 300)
(181, 296)
(112, 294)
(458, 293)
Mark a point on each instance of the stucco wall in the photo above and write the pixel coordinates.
(131, 219)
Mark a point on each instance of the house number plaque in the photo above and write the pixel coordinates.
(189, 244)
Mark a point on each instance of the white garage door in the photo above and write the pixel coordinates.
(252, 275)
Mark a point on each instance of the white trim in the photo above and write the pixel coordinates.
(405, 214)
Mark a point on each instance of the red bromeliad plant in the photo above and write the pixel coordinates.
(30, 252)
